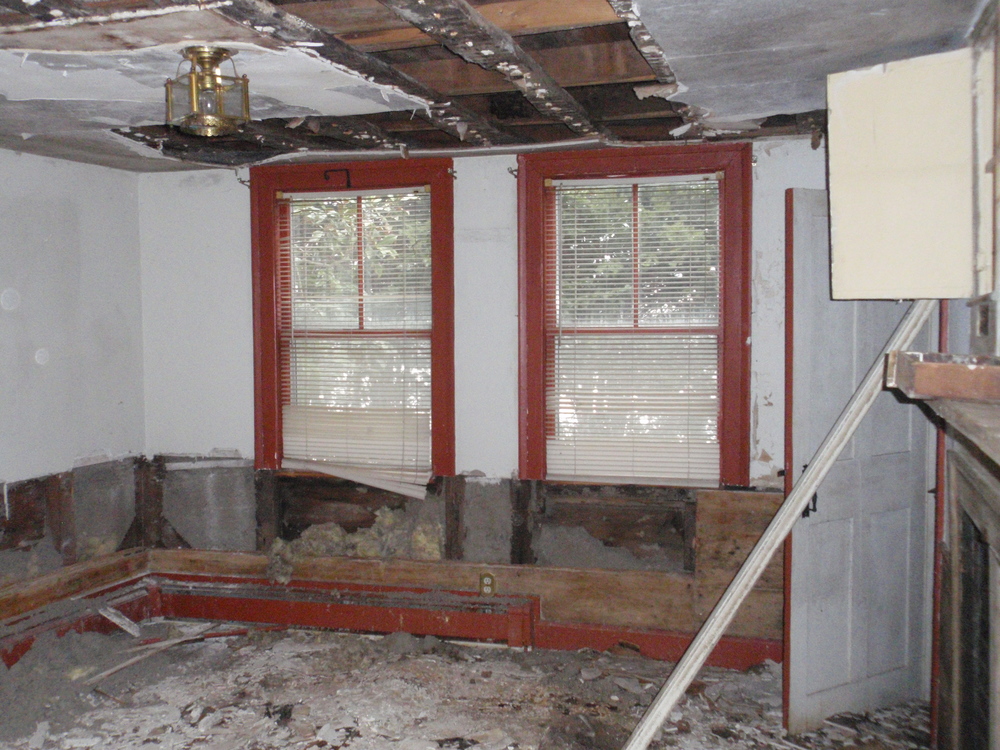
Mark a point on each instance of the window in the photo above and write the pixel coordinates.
(353, 306)
(635, 308)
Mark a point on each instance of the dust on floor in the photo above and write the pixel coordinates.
(318, 689)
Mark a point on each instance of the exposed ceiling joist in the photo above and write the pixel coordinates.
(47, 10)
(369, 26)
(588, 63)
(459, 122)
(463, 30)
(357, 132)
(644, 41)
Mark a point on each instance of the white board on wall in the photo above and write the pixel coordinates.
(901, 179)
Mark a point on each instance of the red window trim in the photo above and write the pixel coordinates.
(266, 183)
(733, 161)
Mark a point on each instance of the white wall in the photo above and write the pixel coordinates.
(70, 316)
(197, 316)
(486, 326)
(198, 326)
(780, 164)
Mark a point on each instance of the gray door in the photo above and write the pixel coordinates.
(857, 596)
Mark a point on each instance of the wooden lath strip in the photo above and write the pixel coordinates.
(463, 30)
(372, 32)
(644, 41)
(317, 133)
(454, 119)
(47, 10)
(354, 131)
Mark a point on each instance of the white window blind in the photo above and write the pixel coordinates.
(355, 329)
(632, 330)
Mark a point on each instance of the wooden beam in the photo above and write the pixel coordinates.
(357, 131)
(930, 375)
(370, 27)
(228, 151)
(612, 598)
(584, 65)
(644, 41)
(73, 580)
(449, 117)
(47, 10)
(461, 28)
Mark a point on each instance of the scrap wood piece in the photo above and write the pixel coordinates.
(223, 634)
(121, 621)
(465, 31)
(779, 528)
(197, 635)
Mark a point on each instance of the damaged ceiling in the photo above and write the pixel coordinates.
(83, 79)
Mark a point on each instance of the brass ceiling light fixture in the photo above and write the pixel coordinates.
(203, 101)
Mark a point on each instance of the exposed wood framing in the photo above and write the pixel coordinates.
(582, 57)
(644, 41)
(446, 115)
(930, 375)
(354, 131)
(462, 29)
(368, 26)
(47, 10)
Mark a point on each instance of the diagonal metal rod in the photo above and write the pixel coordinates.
(779, 528)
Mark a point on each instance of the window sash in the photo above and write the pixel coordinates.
(354, 328)
(632, 330)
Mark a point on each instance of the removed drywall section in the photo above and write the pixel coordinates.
(614, 527)
(103, 506)
(70, 317)
(211, 502)
(778, 164)
(487, 520)
(304, 500)
(415, 532)
(197, 315)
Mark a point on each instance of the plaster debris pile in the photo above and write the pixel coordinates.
(317, 689)
(412, 534)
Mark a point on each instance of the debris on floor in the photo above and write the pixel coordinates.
(300, 689)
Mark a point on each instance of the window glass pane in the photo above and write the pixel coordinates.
(361, 373)
(639, 405)
(356, 353)
(679, 254)
(595, 256)
(324, 264)
(635, 400)
(382, 282)
(397, 254)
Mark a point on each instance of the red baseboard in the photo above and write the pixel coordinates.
(381, 609)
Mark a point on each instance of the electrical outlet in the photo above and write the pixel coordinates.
(487, 584)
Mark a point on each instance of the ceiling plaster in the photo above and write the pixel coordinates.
(64, 85)
(114, 79)
(754, 58)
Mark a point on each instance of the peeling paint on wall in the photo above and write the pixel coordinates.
(779, 164)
